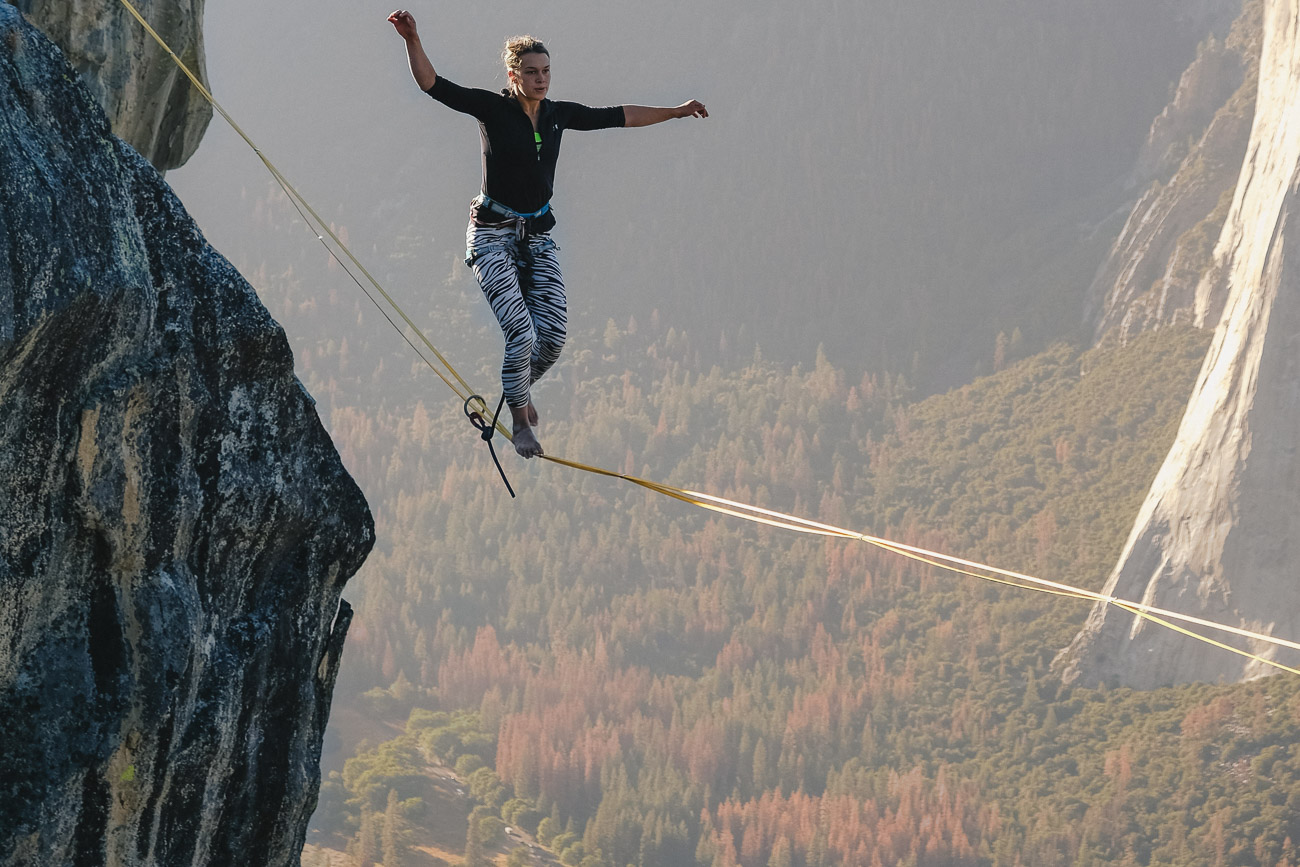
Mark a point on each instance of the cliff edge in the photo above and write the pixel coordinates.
(175, 524)
(1219, 533)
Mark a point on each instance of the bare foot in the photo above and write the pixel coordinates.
(532, 414)
(525, 442)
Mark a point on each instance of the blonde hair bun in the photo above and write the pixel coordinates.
(517, 46)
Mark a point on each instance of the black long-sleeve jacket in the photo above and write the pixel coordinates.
(518, 166)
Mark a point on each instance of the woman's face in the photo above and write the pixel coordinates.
(533, 78)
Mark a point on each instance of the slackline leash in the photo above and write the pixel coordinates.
(486, 429)
(447, 373)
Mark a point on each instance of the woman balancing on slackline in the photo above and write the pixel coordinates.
(508, 240)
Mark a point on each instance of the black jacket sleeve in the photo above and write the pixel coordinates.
(575, 115)
(469, 100)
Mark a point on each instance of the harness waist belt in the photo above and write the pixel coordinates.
(511, 217)
(484, 200)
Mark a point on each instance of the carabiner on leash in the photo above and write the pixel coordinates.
(486, 429)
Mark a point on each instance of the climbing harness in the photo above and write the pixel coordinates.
(486, 429)
(510, 217)
(525, 245)
(744, 511)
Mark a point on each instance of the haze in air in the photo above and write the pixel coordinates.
(857, 292)
(898, 182)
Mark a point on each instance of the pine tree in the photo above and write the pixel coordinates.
(474, 853)
(781, 855)
(368, 840)
(393, 840)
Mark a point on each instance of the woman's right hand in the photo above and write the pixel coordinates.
(404, 23)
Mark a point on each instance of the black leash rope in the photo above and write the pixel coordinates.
(486, 429)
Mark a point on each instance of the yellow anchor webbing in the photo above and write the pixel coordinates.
(463, 391)
(721, 505)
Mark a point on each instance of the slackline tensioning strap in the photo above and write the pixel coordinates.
(448, 374)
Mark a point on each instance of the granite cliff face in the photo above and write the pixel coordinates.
(1189, 166)
(1219, 533)
(150, 103)
(175, 524)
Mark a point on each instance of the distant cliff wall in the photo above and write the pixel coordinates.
(1189, 166)
(1219, 533)
(150, 103)
(175, 524)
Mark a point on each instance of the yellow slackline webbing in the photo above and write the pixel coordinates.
(735, 509)
(949, 563)
(464, 392)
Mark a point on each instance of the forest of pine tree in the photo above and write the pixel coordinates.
(630, 681)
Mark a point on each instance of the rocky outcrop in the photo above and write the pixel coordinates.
(150, 103)
(1165, 248)
(1217, 73)
(175, 525)
(1219, 533)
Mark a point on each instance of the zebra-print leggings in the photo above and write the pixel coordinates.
(521, 280)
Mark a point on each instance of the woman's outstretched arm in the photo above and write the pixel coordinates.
(644, 115)
(421, 67)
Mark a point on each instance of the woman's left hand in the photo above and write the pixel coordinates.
(644, 115)
(694, 108)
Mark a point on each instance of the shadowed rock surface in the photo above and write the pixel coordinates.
(1219, 533)
(175, 524)
(150, 103)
